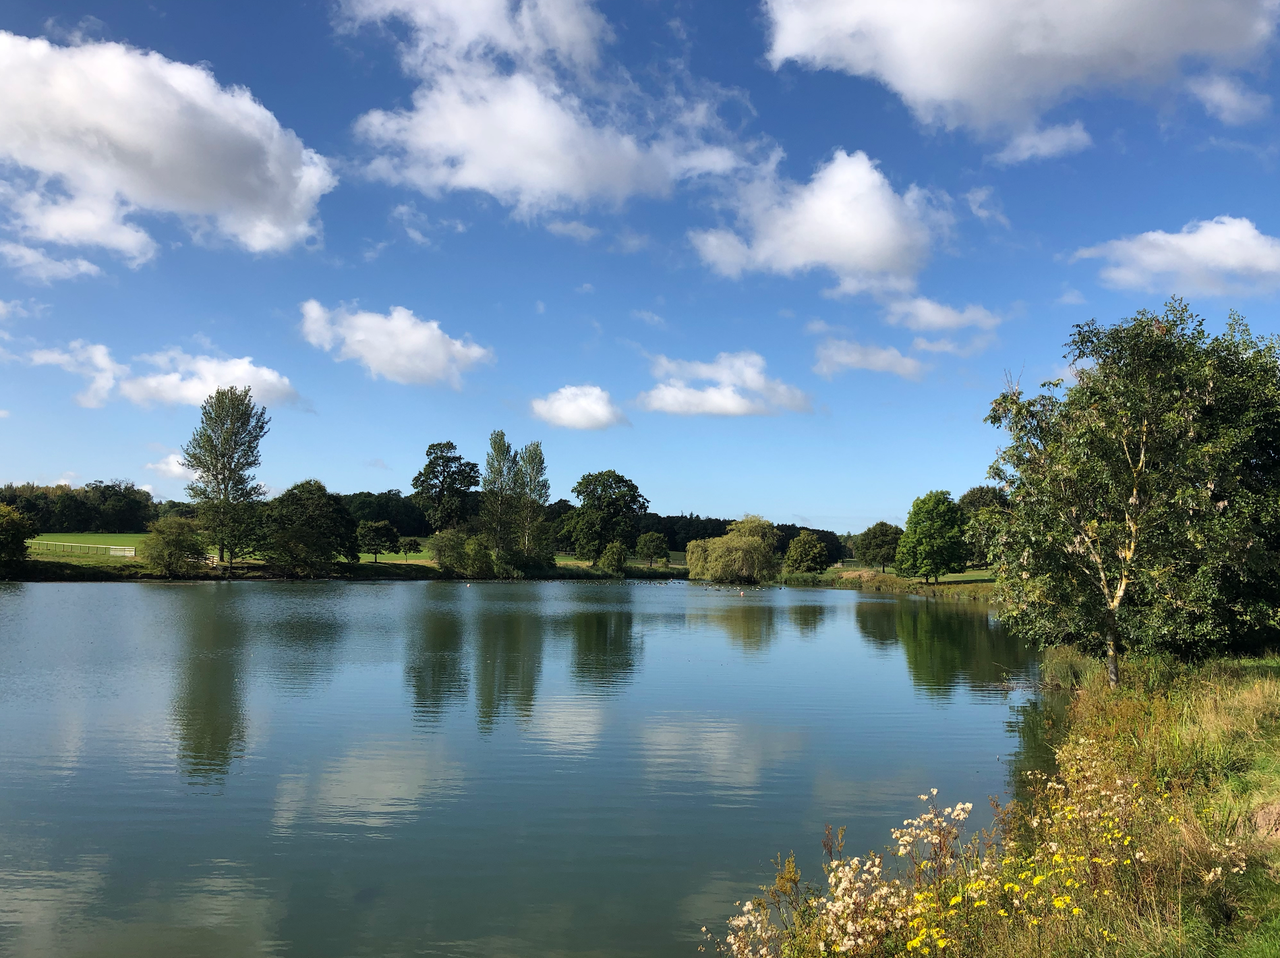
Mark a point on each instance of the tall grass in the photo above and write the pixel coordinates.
(1153, 838)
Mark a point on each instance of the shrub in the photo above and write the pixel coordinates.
(614, 559)
(173, 547)
(15, 530)
(449, 549)
(478, 560)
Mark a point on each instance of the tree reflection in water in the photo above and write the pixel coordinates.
(435, 665)
(807, 619)
(946, 643)
(508, 665)
(751, 626)
(605, 648)
(208, 704)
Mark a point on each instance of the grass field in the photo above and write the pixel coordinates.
(94, 538)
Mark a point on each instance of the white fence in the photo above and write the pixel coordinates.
(84, 548)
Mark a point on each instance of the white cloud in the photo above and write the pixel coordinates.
(649, 318)
(513, 103)
(4, 414)
(98, 133)
(171, 467)
(836, 355)
(585, 288)
(846, 219)
(39, 267)
(975, 345)
(980, 205)
(738, 387)
(1228, 100)
(180, 379)
(573, 229)
(925, 315)
(1224, 255)
(999, 64)
(539, 307)
(397, 346)
(1041, 144)
(1070, 297)
(90, 360)
(578, 407)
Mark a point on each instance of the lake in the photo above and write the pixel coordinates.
(528, 769)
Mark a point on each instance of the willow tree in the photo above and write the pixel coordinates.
(1144, 499)
(223, 452)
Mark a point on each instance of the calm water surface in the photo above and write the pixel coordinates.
(543, 769)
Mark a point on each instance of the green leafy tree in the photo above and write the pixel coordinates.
(878, 545)
(500, 496)
(933, 542)
(449, 549)
(376, 538)
(746, 553)
(478, 559)
(223, 452)
(15, 530)
(173, 547)
(307, 529)
(807, 553)
(410, 546)
(651, 546)
(1143, 507)
(975, 530)
(444, 487)
(610, 505)
(535, 539)
(614, 559)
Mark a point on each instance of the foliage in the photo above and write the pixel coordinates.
(236, 527)
(375, 538)
(1143, 499)
(1121, 853)
(807, 553)
(116, 506)
(477, 560)
(173, 547)
(744, 554)
(222, 452)
(534, 538)
(609, 506)
(410, 546)
(306, 529)
(391, 506)
(444, 486)
(449, 549)
(933, 543)
(499, 497)
(614, 559)
(878, 545)
(976, 531)
(651, 546)
(15, 530)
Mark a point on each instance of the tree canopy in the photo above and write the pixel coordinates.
(609, 506)
(15, 530)
(651, 546)
(306, 529)
(933, 542)
(377, 538)
(444, 486)
(878, 545)
(746, 553)
(1144, 510)
(806, 553)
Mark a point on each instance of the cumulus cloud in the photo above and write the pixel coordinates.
(837, 355)
(1227, 99)
(999, 64)
(513, 103)
(1040, 144)
(573, 229)
(736, 386)
(171, 467)
(578, 407)
(178, 379)
(847, 219)
(1224, 255)
(981, 205)
(95, 134)
(397, 346)
(39, 267)
(926, 315)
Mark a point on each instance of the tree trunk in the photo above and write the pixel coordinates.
(1113, 659)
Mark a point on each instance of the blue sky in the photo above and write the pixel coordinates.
(772, 257)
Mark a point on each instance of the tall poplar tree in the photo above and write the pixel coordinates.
(222, 453)
(498, 499)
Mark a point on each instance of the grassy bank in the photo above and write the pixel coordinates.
(1157, 835)
(974, 586)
